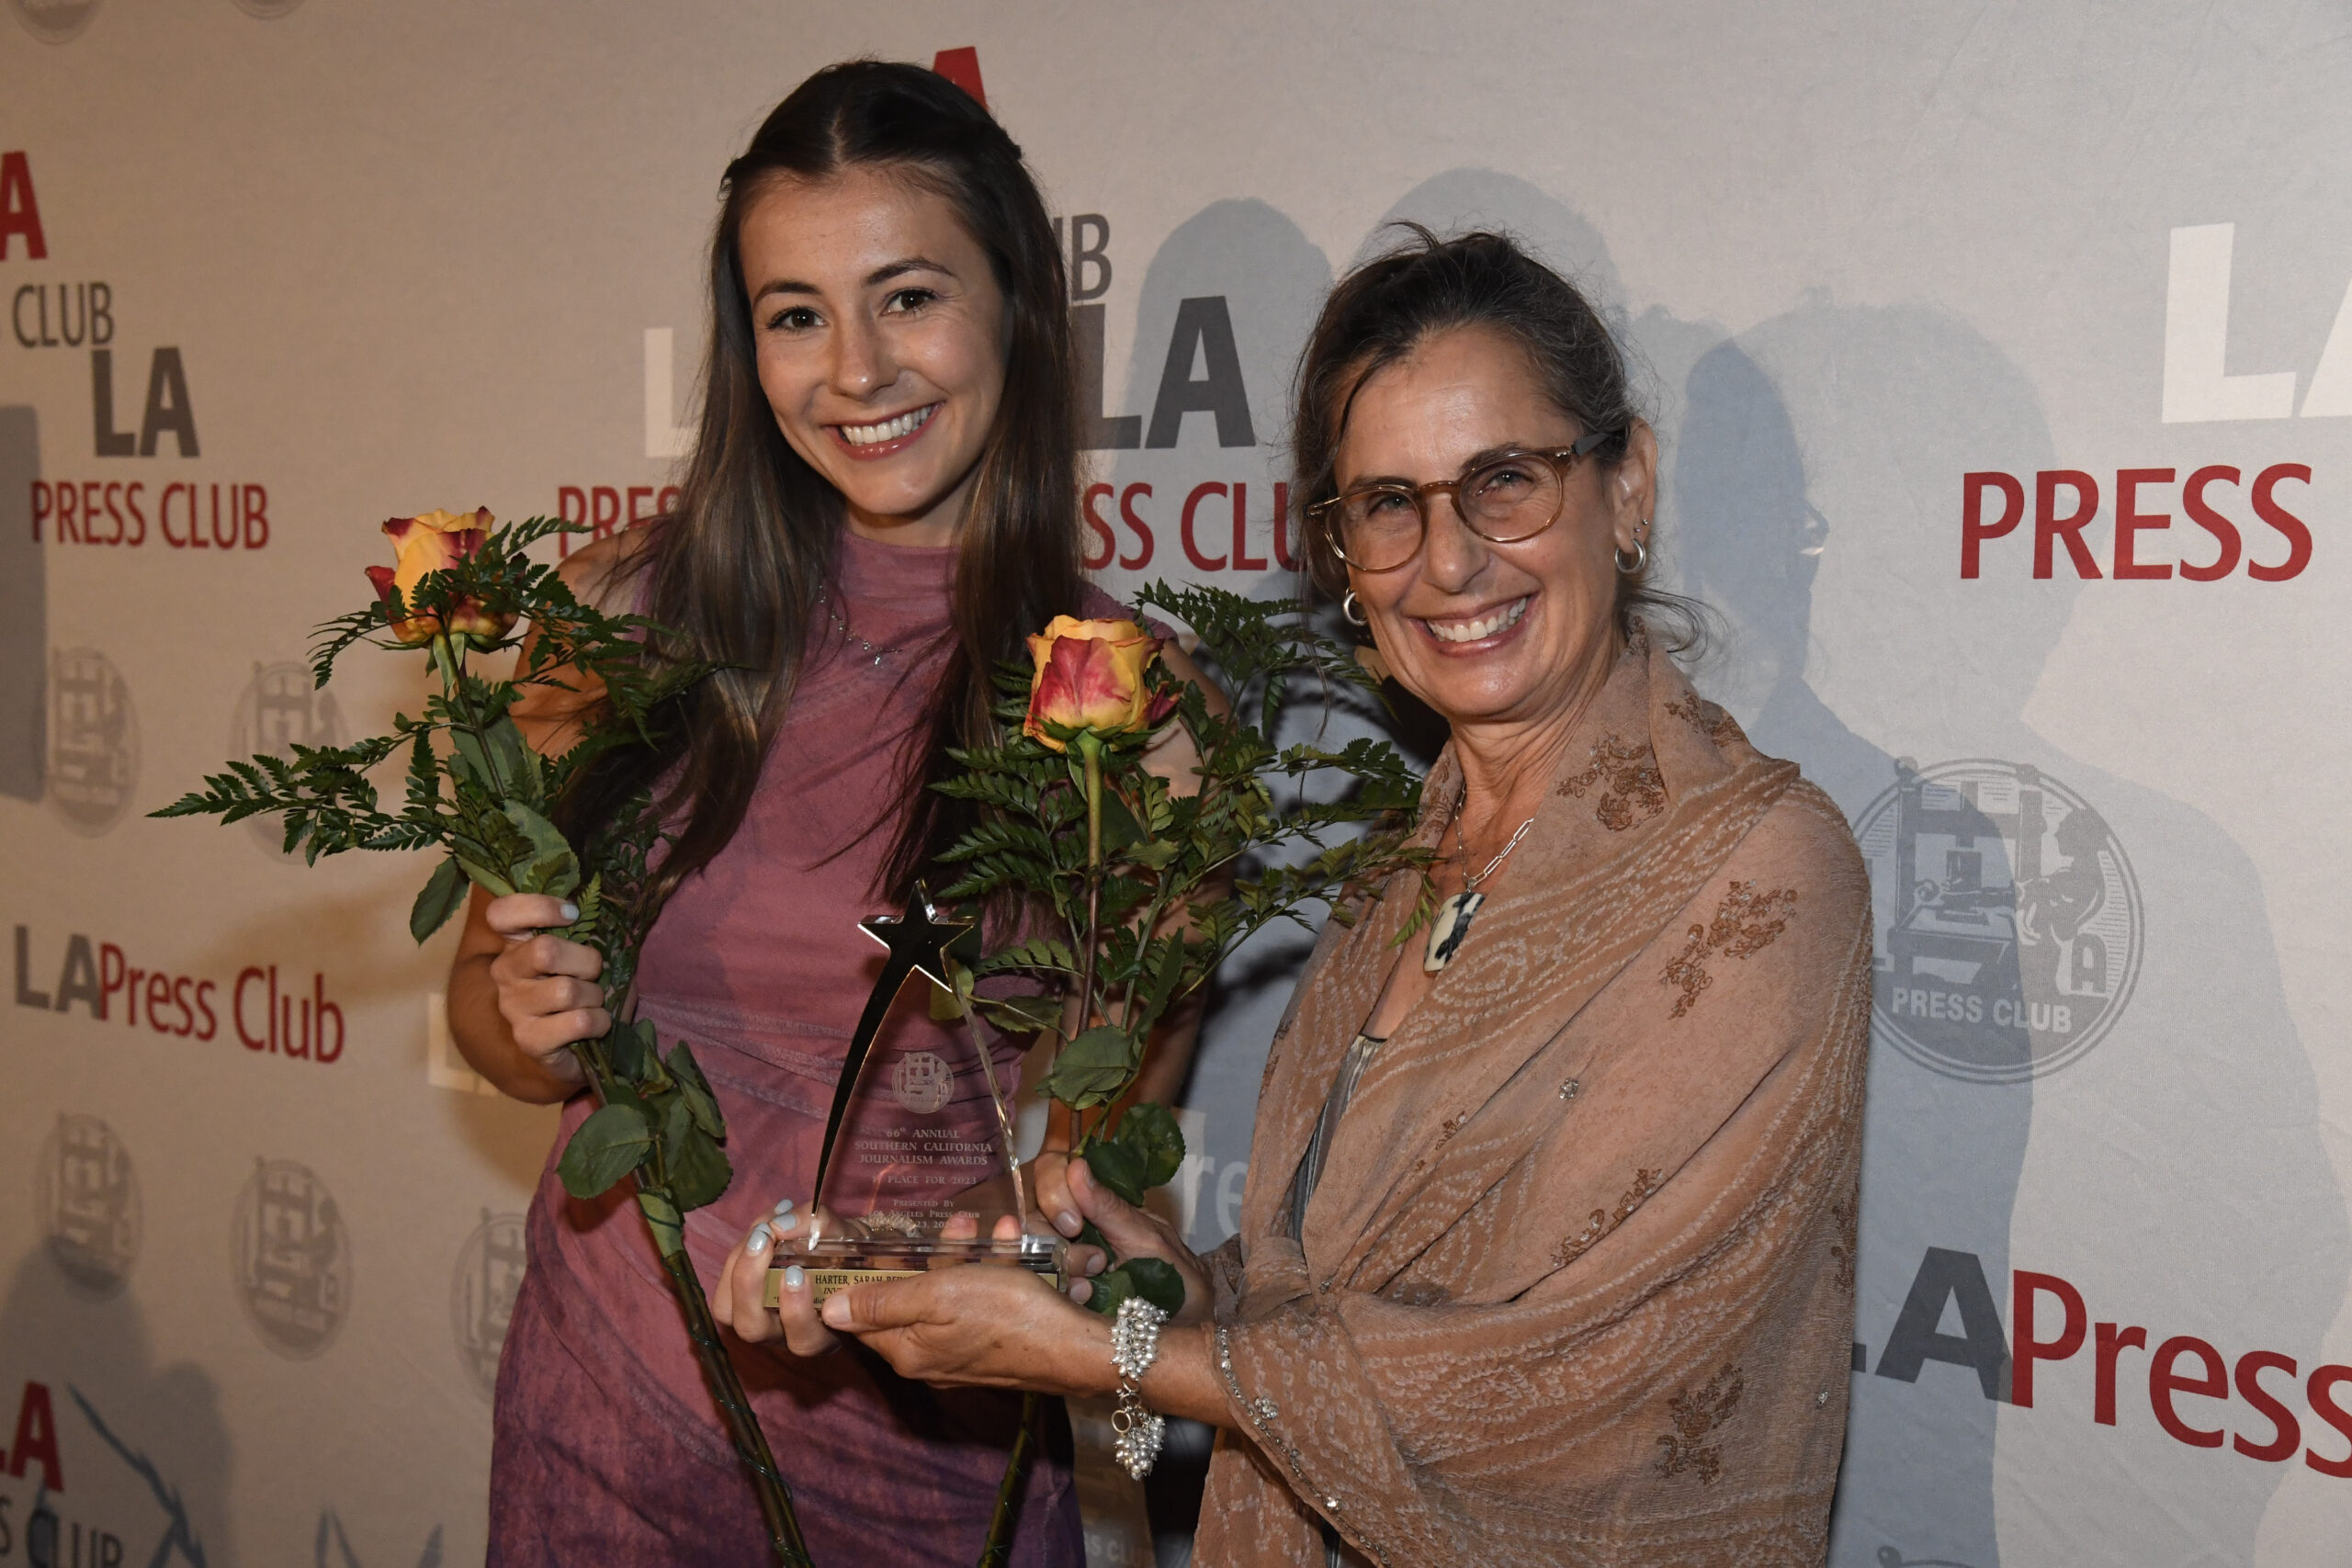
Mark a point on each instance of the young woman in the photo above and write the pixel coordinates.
(882, 502)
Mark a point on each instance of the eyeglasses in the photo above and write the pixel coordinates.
(1515, 496)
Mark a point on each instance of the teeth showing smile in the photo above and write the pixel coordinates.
(889, 429)
(1485, 627)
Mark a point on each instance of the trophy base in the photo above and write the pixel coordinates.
(830, 1265)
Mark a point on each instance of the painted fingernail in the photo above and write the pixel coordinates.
(793, 1277)
(570, 912)
(784, 1207)
(787, 1222)
(759, 1239)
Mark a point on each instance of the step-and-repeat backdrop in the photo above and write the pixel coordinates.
(2003, 359)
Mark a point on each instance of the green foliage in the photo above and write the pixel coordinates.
(608, 1145)
(1183, 879)
(474, 789)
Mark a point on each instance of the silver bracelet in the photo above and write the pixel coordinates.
(1135, 1345)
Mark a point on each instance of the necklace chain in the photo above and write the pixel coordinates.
(1462, 843)
(879, 654)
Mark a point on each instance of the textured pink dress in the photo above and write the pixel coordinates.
(608, 1449)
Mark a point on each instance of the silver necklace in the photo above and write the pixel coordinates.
(1451, 925)
(879, 654)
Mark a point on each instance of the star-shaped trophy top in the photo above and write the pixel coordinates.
(918, 939)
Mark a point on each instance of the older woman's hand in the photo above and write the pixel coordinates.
(979, 1326)
(1132, 1232)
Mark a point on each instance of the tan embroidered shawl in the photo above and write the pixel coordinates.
(1578, 1284)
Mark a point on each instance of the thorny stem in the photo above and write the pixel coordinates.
(742, 1424)
(998, 1549)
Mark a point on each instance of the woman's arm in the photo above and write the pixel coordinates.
(517, 997)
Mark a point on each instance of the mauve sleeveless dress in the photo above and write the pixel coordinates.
(606, 1448)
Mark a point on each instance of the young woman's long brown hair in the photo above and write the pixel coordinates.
(738, 568)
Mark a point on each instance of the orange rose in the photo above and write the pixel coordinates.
(1089, 676)
(435, 542)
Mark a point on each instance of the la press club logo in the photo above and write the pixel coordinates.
(481, 1296)
(291, 1254)
(86, 1196)
(2009, 925)
(92, 741)
(2232, 520)
(280, 709)
(118, 507)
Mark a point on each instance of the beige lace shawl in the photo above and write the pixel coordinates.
(1576, 1286)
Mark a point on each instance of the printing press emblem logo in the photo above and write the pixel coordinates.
(293, 1256)
(92, 741)
(281, 710)
(482, 1299)
(88, 1198)
(2009, 925)
(55, 21)
(922, 1081)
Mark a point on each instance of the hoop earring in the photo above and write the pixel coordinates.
(1352, 609)
(1641, 555)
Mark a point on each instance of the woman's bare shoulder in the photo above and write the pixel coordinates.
(605, 573)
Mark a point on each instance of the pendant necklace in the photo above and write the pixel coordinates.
(878, 654)
(1451, 924)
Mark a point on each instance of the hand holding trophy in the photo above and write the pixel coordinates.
(1106, 897)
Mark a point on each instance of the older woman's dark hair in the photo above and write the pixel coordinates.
(1384, 309)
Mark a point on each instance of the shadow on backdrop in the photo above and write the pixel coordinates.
(2017, 890)
(23, 611)
(146, 1453)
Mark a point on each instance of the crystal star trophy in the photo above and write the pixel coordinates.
(917, 1169)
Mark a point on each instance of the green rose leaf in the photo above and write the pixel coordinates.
(1148, 1132)
(438, 899)
(548, 866)
(1022, 1015)
(1156, 1281)
(608, 1145)
(1111, 1287)
(1092, 1068)
(631, 1049)
(1118, 1167)
(661, 1217)
(698, 1171)
(483, 877)
(694, 1091)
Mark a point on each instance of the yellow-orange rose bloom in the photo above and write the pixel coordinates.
(1089, 676)
(431, 543)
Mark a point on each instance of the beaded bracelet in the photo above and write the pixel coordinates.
(1135, 1345)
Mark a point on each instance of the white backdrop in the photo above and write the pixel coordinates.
(280, 268)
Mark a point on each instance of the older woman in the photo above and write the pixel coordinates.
(1547, 1250)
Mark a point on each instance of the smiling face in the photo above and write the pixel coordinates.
(1486, 633)
(880, 334)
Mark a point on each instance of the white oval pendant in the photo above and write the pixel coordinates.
(1448, 930)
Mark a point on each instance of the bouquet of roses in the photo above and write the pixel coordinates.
(477, 793)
